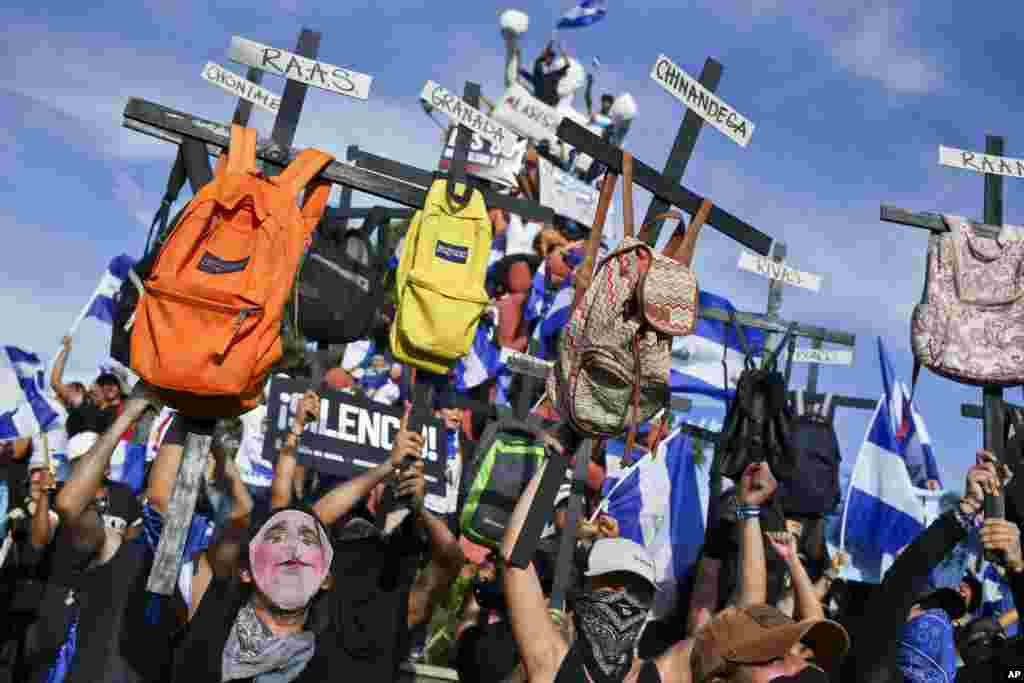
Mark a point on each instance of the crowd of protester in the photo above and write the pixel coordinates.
(288, 574)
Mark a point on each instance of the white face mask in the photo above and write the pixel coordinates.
(290, 558)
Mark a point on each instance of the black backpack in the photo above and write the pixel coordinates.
(192, 164)
(757, 422)
(340, 288)
(811, 489)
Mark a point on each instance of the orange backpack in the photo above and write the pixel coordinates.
(208, 327)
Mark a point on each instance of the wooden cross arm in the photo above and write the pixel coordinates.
(586, 142)
(172, 126)
(929, 221)
(842, 401)
(973, 410)
(770, 324)
(388, 213)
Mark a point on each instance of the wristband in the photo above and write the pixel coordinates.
(966, 520)
(745, 512)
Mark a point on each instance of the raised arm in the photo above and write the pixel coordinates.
(73, 501)
(57, 374)
(757, 486)
(340, 501)
(287, 468)
(446, 561)
(808, 606)
(44, 520)
(540, 645)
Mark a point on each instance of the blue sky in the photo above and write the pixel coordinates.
(850, 101)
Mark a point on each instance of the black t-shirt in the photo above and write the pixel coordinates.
(361, 625)
(88, 417)
(487, 653)
(722, 542)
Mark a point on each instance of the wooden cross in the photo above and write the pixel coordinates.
(666, 190)
(992, 397)
(163, 575)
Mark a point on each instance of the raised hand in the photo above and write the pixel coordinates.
(757, 485)
(309, 411)
(1004, 536)
(784, 544)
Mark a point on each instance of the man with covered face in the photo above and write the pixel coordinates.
(609, 614)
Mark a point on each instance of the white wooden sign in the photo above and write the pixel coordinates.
(566, 195)
(528, 116)
(981, 163)
(461, 113)
(762, 265)
(690, 92)
(823, 356)
(297, 68)
(240, 87)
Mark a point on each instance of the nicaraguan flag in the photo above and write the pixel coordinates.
(996, 596)
(102, 305)
(584, 13)
(883, 513)
(25, 410)
(484, 362)
(128, 465)
(697, 360)
(357, 354)
(914, 444)
(657, 503)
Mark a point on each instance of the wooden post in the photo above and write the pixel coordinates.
(992, 397)
(682, 150)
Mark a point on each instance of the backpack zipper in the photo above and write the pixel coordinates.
(239, 321)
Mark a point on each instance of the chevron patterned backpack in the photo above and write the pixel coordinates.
(612, 369)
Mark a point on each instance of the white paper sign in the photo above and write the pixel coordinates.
(566, 195)
(528, 116)
(461, 113)
(981, 163)
(239, 87)
(823, 356)
(762, 265)
(483, 162)
(297, 68)
(690, 92)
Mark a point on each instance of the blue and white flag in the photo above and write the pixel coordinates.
(657, 503)
(484, 362)
(883, 512)
(996, 596)
(697, 360)
(101, 305)
(584, 13)
(913, 442)
(128, 465)
(358, 354)
(25, 410)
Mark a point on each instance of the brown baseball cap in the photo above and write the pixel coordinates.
(759, 634)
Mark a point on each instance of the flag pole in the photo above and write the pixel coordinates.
(85, 309)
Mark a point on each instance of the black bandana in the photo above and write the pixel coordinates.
(608, 624)
(808, 674)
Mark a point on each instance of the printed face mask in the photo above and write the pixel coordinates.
(290, 558)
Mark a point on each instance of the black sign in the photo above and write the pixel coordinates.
(352, 436)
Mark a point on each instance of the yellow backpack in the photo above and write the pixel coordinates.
(440, 281)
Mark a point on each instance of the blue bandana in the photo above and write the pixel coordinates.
(927, 653)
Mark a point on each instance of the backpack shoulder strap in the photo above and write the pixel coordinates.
(298, 175)
(241, 151)
(681, 246)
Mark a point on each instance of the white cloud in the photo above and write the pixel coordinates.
(877, 49)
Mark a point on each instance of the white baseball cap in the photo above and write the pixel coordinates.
(80, 443)
(620, 555)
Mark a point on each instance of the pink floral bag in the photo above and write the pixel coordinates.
(969, 326)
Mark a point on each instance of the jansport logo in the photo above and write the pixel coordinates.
(451, 252)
